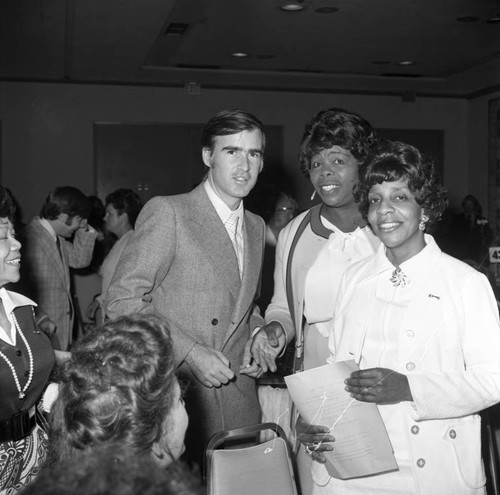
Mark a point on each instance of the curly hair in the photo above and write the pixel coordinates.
(392, 161)
(118, 386)
(66, 199)
(7, 204)
(335, 127)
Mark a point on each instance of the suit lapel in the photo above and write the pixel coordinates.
(254, 253)
(213, 236)
(49, 246)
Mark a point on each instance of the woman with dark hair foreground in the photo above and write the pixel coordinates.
(26, 360)
(120, 387)
(427, 341)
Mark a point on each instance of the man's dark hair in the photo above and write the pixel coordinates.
(125, 201)
(66, 199)
(335, 127)
(230, 122)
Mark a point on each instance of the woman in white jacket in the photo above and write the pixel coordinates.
(424, 329)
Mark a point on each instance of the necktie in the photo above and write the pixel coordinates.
(58, 244)
(231, 225)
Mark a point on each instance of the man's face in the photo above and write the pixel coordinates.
(112, 219)
(235, 163)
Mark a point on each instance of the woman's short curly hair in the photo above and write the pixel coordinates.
(392, 161)
(118, 386)
(335, 126)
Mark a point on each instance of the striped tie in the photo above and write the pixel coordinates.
(231, 225)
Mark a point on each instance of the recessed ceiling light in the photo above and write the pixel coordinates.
(468, 18)
(493, 19)
(292, 7)
(239, 54)
(326, 10)
(406, 62)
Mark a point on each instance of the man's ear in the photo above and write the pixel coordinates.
(206, 154)
(62, 217)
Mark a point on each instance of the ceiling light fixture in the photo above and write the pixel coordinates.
(494, 19)
(406, 62)
(292, 7)
(239, 54)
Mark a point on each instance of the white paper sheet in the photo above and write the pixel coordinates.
(362, 446)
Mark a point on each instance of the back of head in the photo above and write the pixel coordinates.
(393, 161)
(112, 471)
(230, 122)
(118, 387)
(335, 127)
(66, 199)
(125, 201)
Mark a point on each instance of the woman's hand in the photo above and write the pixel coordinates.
(379, 385)
(314, 438)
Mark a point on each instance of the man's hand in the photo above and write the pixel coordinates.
(379, 385)
(249, 367)
(45, 324)
(92, 310)
(266, 346)
(209, 366)
(313, 437)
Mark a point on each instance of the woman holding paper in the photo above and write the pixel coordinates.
(424, 329)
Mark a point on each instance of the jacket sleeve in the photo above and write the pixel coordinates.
(475, 385)
(143, 266)
(80, 250)
(278, 308)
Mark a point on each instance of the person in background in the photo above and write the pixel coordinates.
(26, 362)
(119, 388)
(283, 208)
(58, 239)
(122, 208)
(196, 259)
(471, 233)
(425, 331)
(313, 251)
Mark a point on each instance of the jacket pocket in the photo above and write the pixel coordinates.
(463, 436)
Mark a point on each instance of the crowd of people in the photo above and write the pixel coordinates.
(179, 344)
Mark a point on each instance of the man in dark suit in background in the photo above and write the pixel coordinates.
(52, 243)
(196, 259)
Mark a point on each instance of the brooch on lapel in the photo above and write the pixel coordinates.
(398, 278)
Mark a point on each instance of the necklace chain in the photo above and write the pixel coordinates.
(22, 391)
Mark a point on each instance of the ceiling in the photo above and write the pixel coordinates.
(355, 47)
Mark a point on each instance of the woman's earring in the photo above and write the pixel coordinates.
(423, 221)
(313, 194)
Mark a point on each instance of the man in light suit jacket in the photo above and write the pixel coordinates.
(52, 243)
(181, 262)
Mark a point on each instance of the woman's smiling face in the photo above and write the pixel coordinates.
(10, 257)
(333, 173)
(394, 216)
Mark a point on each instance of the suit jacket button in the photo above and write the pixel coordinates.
(215, 321)
(19, 352)
(421, 463)
(453, 434)
(415, 429)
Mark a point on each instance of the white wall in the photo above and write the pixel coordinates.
(47, 129)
